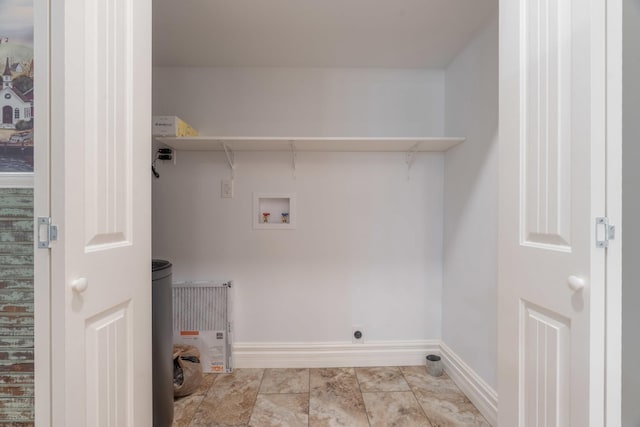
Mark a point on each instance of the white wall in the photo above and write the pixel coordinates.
(630, 216)
(470, 205)
(366, 249)
(368, 245)
(303, 101)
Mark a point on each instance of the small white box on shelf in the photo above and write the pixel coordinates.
(274, 210)
(171, 126)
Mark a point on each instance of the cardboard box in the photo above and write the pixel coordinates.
(214, 346)
(171, 126)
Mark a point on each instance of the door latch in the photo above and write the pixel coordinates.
(47, 232)
(604, 232)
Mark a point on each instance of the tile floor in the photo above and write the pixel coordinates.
(387, 396)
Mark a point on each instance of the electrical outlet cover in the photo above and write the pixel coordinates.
(354, 329)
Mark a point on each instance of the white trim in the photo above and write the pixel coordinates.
(57, 154)
(596, 362)
(16, 180)
(613, 349)
(40, 180)
(472, 385)
(332, 354)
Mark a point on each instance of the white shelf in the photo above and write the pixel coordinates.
(210, 143)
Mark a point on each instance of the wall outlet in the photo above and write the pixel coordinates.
(357, 334)
(227, 188)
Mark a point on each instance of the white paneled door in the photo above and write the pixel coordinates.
(101, 285)
(552, 188)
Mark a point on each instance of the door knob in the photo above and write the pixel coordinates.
(80, 284)
(576, 283)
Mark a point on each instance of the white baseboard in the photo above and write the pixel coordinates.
(478, 391)
(332, 354)
(381, 353)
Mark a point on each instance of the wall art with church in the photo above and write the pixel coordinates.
(17, 91)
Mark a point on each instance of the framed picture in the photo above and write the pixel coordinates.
(17, 91)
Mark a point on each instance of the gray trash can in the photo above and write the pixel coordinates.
(162, 345)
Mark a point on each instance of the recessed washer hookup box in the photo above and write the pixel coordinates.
(171, 126)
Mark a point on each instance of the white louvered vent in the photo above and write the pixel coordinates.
(202, 317)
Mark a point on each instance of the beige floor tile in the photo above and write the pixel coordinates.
(456, 419)
(381, 379)
(442, 401)
(184, 408)
(285, 381)
(335, 398)
(420, 380)
(336, 380)
(394, 409)
(286, 410)
(207, 380)
(230, 400)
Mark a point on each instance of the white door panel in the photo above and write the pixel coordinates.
(101, 186)
(545, 115)
(552, 186)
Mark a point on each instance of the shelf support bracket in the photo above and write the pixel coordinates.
(410, 156)
(231, 158)
(294, 158)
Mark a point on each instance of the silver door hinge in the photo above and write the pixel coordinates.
(606, 230)
(47, 232)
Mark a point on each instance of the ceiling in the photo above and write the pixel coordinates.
(314, 33)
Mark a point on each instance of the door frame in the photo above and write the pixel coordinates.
(613, 304)
(43, 13)
(42, 207)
